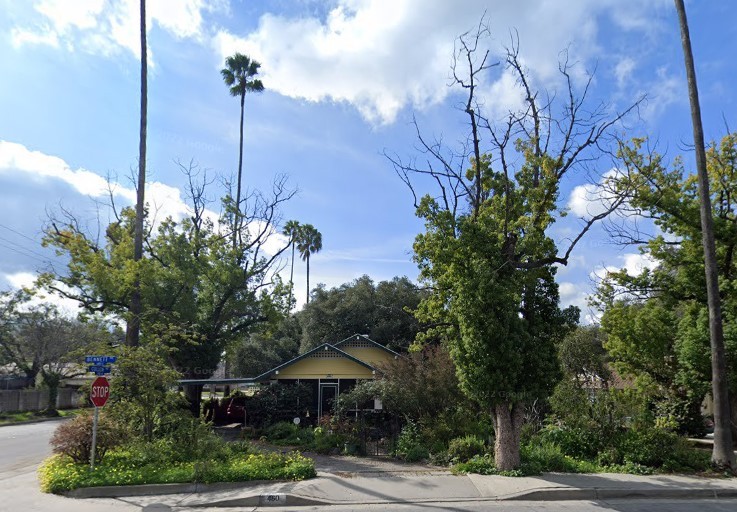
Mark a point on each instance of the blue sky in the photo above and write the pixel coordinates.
(343, 79)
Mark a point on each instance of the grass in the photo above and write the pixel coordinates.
(10, 418)
(125, 467)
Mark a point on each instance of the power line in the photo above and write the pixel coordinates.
(24, 248)
(18, 233)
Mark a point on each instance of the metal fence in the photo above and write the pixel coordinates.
(19, 400)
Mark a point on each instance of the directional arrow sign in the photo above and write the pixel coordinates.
(100, 359)
(99, 370)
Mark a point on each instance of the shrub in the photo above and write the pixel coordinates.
(288, 434)
(74, 437)
(578, 441)
(409, 444)
(324, 442)
(416, 453)
(121, 467)
(548, 457)
(141, 396)
(463, 448)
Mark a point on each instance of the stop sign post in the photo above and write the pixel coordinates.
(99, 394)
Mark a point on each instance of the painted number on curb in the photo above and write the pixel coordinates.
(273, 499)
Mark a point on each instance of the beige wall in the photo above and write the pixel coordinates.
(370, 355)
(325, 368)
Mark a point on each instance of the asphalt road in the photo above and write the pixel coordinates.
(23, 447)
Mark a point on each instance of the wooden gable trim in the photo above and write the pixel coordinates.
(363, 337)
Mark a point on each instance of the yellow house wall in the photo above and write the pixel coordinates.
(322, 368)
(370, 355)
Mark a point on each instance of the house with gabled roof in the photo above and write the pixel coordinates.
(329, 369)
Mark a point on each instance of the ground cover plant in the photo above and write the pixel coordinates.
(128, 466)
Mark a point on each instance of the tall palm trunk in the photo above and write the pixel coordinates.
(722, 456)
(291, 278)
(237, 221)
(308, 278)
(134, 323)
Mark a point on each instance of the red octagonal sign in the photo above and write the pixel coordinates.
(100, 391)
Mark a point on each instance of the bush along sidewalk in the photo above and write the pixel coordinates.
(60, 473)
(188, 454)
(634, 452)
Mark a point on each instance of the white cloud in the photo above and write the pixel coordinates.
(19, 280)
(163, 200)
(40, 166)
(667, 89)
(635, 263)
(589, 200)
(577, 295)
(108, 27)
(20, 37)
(623, 70)
(381, 56)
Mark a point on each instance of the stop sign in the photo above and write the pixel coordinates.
(100, 391)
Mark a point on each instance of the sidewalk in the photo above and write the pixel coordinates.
(418, 487)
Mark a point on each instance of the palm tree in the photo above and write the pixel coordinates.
(238, 74)
(722, 455)
(133, 328)
(309, 241)
(291, 230)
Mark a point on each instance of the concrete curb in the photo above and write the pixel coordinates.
(569, 494)
(122, 491)
(285, 499)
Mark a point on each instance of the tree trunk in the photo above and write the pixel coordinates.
(308, 278)
(722, 456)
(52, 383)
(237, 220)
(733, 403)
(291, 279)
(508, 419)
(134, 322)
(193, 393)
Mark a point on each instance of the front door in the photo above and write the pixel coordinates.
(328, 394)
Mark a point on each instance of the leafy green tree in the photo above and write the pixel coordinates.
(583, 357)
(309, 242)
(291, 231)
(198, 294)
(486, 252)
(382, 311)
(267, 348)
(143, 394)
(647, 343)
(43, 344)
(238, 74)
(420, 386)
(677, 285)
